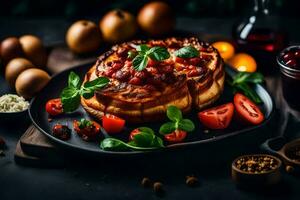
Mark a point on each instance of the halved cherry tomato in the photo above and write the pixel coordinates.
(176, 136)
(246, 110)
(134, 133)
(217, 117)
(88, 131)
(54, 107)
(112, 123)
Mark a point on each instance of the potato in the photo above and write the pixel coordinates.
(30, 82)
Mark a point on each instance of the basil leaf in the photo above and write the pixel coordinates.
(143, 48)
(249, 92)
(248, 77)
(140, 62)
(96, 84)
(146, 130)
(74, 80)
(187, 52)
(70, 99)
(186, 125)
(112, 144)
(158, 53)
(131, 54)
(174, 114)
(157, 142)
(143, 139)
(87, 93)
(167, 128)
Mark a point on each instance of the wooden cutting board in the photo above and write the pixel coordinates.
(35, 149)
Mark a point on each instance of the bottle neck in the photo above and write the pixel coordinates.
(261, 7)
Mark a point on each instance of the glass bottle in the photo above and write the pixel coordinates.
(260, 34)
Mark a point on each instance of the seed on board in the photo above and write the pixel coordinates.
(146, 182)
(2, 154)
(191, 181)
(289, 169)
(206, 131)
(158, 188)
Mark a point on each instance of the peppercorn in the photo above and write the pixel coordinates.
(146, 182)
(256, 164)
(191, 181)
(289, 169)
(158, 188)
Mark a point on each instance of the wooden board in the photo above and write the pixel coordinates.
(34, 149)
(61, 58)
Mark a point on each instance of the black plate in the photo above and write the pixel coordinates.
(196, 139)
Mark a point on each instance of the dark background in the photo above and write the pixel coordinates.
(74, 9)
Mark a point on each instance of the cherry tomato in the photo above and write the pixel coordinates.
(54, 107)
(133, 133)
(246, 110)
(180, 60)
(87, 131)
(217, 117)
(61, 131)
(176, 136)
(112, 123)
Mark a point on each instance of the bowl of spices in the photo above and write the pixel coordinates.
(290, 153)
(256, 170)
(13, 108)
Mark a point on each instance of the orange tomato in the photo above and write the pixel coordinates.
(243, 62)
(225, 49)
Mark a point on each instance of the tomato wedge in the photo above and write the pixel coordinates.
(134, 133)
(176, 136)
(112, 124)
(218, 117)
(246, 110)
(54, 107)
(87, 130)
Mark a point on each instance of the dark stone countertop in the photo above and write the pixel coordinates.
(82, 179)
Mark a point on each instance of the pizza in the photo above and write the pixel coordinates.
(144, 95)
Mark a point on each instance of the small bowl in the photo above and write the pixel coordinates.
(19, 117)
(284, 153)
(279, 147)
(268, 178)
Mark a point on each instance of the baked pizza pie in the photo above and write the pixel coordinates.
(143, 95)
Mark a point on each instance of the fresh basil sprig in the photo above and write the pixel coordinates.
(145, 140)
(70, 96)
(140, 61)
(187, 52)
(83, 123)
(177, 122)
(241, 81)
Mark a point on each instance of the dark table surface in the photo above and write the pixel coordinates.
(84, 179)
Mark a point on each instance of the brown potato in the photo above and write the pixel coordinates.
(34, 50)
(117, 26)
(30, 82)
(14, 68)
(156, 18)
(10, 48)
(83, 37)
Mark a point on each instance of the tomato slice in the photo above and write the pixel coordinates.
(87, 132)
(176, 136)
(134, 133)
(218, 117)
(112, 124)
(54, 107)
(246, 110)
